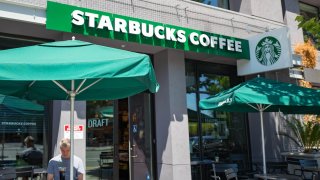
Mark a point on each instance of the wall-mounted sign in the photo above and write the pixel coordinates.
(78, 131)
(269, 51)
(68, 18)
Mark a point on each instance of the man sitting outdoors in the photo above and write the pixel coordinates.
(32, 156)
(59, 166)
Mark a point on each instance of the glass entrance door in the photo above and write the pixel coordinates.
(140, 137)
(119, 141)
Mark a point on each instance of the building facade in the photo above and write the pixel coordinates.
(164, 135)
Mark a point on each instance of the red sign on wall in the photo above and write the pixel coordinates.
(76, 127)
(78, 131)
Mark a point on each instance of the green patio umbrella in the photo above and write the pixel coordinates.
(74, 70)
(263, 95)
(106, 111)
(19, 104)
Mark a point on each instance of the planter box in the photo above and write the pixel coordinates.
(296, 155)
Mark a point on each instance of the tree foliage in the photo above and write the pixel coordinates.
(311, 28)
(308, 54)
(307, 50)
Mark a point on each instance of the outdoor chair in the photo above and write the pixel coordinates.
(308, 166)
(25, 172)
(40, 172)
(231, 174)
(221, 167)
(214, 176)
(7, 173)
(106, 163)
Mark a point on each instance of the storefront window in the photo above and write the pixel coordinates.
(193, 126)
(214, 135)
(23, 124)
(22, 133)
(217, 3)
(99, 139)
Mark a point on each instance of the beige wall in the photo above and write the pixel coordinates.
(184, 13)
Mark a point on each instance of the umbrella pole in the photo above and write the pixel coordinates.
(72, 98)
(262, 141)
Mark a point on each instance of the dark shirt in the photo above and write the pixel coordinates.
(32, 156)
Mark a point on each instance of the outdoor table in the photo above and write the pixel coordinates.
(275, 176)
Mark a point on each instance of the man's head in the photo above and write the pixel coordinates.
(65, 148)
(29, 141)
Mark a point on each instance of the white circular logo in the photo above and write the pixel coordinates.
(268, 51)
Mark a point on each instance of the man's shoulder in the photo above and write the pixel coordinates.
(56, 158)
(26, 151)
(76, 158)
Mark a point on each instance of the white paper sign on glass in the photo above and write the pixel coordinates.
(78, 131)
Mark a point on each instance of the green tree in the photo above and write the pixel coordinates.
(311, 28)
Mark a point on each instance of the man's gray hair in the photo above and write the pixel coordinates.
(65, 142)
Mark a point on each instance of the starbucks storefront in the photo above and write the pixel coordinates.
(148, 136)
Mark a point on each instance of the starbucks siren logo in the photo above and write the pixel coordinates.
(268, 51)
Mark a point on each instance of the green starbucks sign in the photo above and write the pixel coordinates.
(62, 17)
(268, 51)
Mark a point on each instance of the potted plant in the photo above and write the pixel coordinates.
(305, 134)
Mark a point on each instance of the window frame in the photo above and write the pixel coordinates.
(227, 1)
(318, 8)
